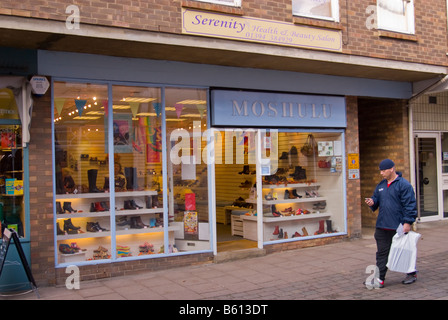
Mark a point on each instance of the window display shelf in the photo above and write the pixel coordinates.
(289, 218)
(109, 233)
(83, 215)
(291, 185)
(105, 194)
(145, 230)
(84, 235)
(107, 213)
(285, 201)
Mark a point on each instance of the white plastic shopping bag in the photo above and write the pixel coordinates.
(403, 252)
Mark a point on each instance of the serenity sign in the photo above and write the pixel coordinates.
(217, 25)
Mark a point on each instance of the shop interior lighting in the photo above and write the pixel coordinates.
(138, 99)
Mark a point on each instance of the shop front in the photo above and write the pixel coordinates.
(267, 166)
(154, 167)
(278, 166)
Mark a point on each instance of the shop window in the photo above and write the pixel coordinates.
(110, 172)
(137, 150)
(303, 196)
(301, 188)
(92, 164)
(319, 9)
(81, 165)
(188, 205)
(396, 15)
(235, 3)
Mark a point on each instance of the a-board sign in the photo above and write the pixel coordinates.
(9, 234)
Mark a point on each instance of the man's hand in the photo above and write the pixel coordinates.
(369, 202)
(406, 227)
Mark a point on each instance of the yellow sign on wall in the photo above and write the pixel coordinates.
(217, 25)
(353, 160)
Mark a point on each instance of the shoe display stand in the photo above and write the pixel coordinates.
(90, 239)
(290, 214)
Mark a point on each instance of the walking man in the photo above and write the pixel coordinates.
(395, 198)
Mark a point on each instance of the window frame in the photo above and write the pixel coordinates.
(236, 3)
(410, 19)
(334, 11)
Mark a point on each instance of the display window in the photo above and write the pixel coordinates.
(300, 189)
(112, 165)
(188, 199)
(81, 158)
(133, 176)
(303, 197)
(12, 204)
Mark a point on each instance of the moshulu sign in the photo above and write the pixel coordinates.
(39, 85)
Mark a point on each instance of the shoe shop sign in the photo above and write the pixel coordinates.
(217, 25)
(276, 110)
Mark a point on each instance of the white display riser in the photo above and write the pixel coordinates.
(290, 224)
(192, 245)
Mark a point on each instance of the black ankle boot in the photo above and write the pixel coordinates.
(68, 207)
(155, 201)
(295, 194)
(245, 170)
(128, 205)
(329, 226)
(69, 227)
(135, 224)
(59, 208)
(148, 202)
(136, 206)
(59, 230)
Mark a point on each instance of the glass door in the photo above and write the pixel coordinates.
(428, 165)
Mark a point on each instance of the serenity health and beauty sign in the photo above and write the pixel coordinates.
(217, 25)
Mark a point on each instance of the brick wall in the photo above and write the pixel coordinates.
(41, 192)
(352, 141)
(428, 45)
(383, 133)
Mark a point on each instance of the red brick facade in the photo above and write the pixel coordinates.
(428, 45)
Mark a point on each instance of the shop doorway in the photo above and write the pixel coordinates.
(234, 183)
(428, 173)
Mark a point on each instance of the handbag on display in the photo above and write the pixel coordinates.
(310, 147)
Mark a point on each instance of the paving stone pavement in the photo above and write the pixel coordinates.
(330, 272)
